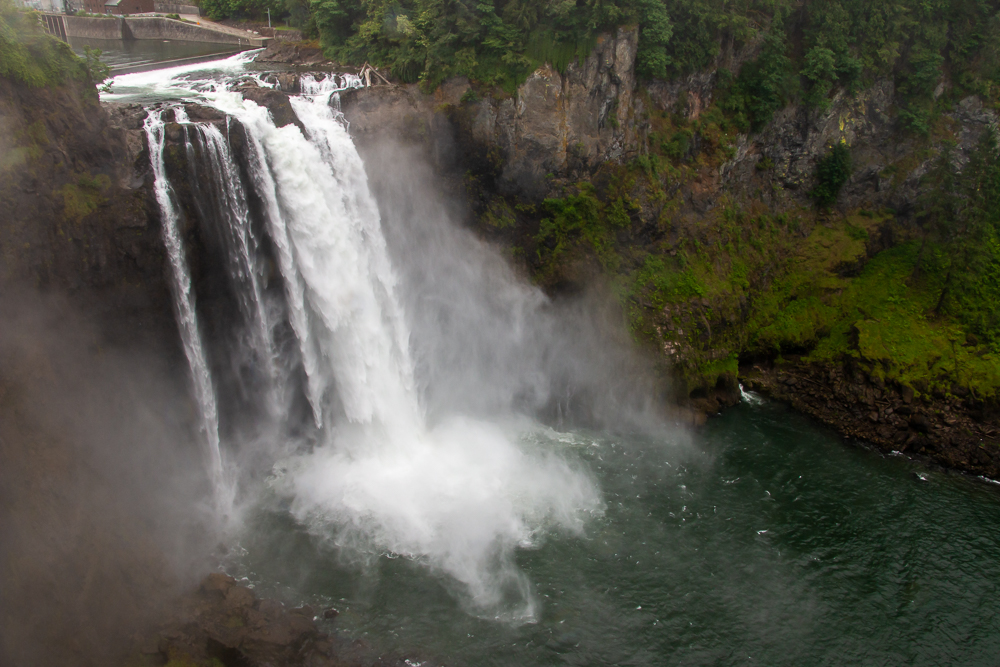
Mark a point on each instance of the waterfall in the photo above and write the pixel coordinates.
(459, 494)
(334, 261)
(229, 205)
(184, 302)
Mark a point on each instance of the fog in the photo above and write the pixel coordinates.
(103, 498)
(486, 341)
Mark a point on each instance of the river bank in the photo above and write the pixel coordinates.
(956, 432)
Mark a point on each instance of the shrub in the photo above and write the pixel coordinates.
(832, 172)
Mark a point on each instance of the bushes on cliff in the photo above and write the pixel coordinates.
(29, 56)
(832, 173)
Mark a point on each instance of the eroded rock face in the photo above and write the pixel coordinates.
(76, 212)
(563, 123)
(558, 124)
(884, 173)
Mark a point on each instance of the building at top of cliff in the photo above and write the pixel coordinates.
(123, 7)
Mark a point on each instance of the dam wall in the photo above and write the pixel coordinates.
(143, 27)
(148, 27)
(176, 8)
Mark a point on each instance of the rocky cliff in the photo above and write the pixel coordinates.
(710, 235)
(78, 215)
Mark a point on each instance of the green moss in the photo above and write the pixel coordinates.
(82, 198)
(499, 214)
(661, 281)
(580, 218)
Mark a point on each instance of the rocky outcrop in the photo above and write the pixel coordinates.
(956, 431)
(225, 623)
(561, 123)
(778, 163)
(77, 216)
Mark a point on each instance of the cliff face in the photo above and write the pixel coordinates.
(569, 122)
(558, 123)
(77, 216)
(710, 235)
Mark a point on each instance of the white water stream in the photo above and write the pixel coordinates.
(184, 302)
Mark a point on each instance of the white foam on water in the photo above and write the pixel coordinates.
(181, 82)
(750, 397)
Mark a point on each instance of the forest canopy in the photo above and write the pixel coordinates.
(805, 50)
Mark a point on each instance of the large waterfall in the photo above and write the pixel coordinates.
(460, 493)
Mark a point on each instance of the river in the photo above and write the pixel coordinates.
(765, 540)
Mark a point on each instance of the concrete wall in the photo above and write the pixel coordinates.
(139, 27)
(158, 28)
(93, 28)
(172, 8)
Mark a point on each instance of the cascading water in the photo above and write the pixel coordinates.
(233, 209)
(459, 494)
(184, 300)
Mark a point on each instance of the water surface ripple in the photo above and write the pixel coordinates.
(767, 542)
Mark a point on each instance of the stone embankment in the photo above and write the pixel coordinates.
(953, 430)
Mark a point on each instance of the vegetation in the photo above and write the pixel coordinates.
(832, 173)
(745, 281)
(809, 50)
(29, 56)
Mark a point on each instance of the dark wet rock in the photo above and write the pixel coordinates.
(288, 83)
(950, 435)
(77, 212)
(920, 423)
(201, 113)
(224, 621)
(276, 102)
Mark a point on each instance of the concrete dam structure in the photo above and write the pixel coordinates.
(148, 27)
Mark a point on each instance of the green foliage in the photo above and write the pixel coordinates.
(962, 220)
(700, 28)
(85, 196)
(655, 30)
(832, 173)
(29, 56)
(820, 70)
(499, 214)
(663, 282)
(254, 9)
(763, 85)
(98, 71)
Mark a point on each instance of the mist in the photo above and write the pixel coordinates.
(448, 367)
(486, 341)
(105, 512)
